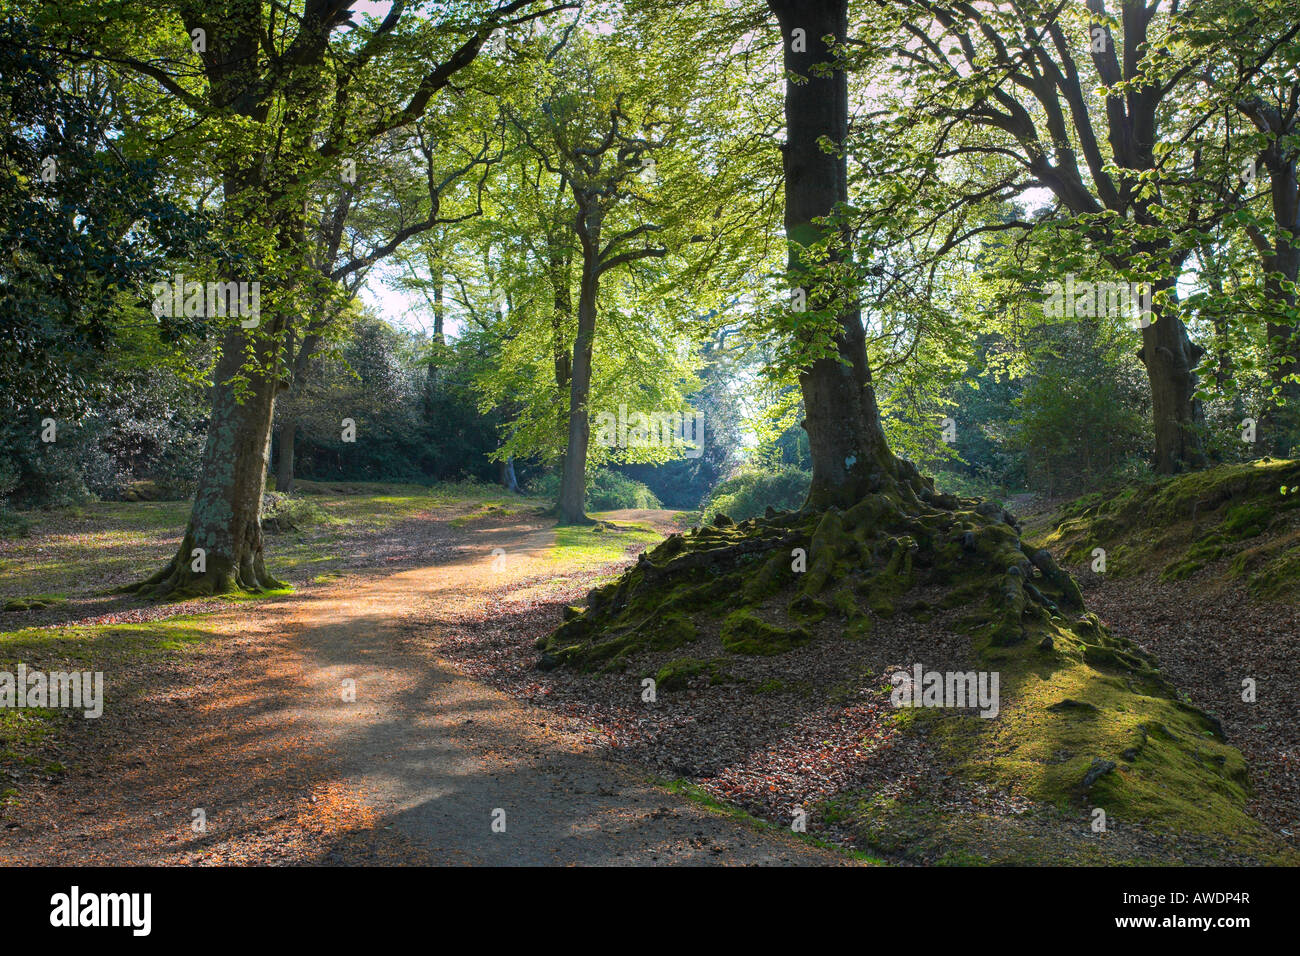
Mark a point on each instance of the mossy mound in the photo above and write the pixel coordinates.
(1247, 513)
(1086, 719)
(744, 632)
(35, 602)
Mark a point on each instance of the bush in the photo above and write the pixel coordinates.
(282, 513)
(753, 490)
(607, 490)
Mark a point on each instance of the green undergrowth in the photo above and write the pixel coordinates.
(1086, 719)
(684, 671)
(1244, 516)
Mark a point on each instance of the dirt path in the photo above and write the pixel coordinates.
(255, 731)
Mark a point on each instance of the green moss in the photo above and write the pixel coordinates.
(744, 632)
(572, 644)
(772, 574)
(1273, 570)
(859, 628)
(1186, 523)
(806, 609)
(1246, 520)
(705, 799)
(1086, 719)
(844, 602)
(1092, 724)
(35, 602)
(678, 674)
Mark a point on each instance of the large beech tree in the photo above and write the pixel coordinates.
(1074, 99)
(279, 97)
(849, 453)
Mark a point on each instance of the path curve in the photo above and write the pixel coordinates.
(259, 735)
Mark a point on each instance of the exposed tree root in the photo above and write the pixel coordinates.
(779, 581)
(876, 550)
(220, 574)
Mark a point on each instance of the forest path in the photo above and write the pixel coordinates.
(415, 770)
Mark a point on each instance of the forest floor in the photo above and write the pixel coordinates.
(238, 711)
(431, 603)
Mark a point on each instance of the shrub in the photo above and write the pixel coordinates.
(751, 491)
(607, 490)
(282, 512)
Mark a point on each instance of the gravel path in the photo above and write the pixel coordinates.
(253, 729)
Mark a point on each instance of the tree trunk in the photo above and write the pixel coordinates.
(1170, 358)
(225, 524)
(508, 480)
(850, 456)
(573, 483)
(1282, 270)
(563, 359)
(284, 436)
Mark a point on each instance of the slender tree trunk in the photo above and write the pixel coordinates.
(1282, 269)
(508, 480)
(573, 483)
(438, 308)
(563, 359)
(284, 441)
(850, 456)
(1170, 358)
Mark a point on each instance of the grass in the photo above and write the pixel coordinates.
(99, 643)
(91, 548)
(493, 509)
(35, 602)
(586, 547)
(703, 798)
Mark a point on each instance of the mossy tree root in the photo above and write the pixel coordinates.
(1087, 719)
(880, 547)
(221, 574)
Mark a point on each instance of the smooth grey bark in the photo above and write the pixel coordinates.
(573, 480)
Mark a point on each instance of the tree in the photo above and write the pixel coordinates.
(87, 226)
(1254, 56)
(1009, 88)
(279, 99)
(617, 236)
(849, 453)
